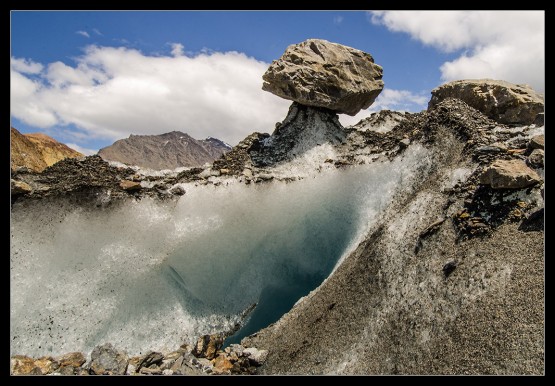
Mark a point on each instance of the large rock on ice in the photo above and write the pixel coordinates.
(501, 101)
(512, 174)
(323, 74)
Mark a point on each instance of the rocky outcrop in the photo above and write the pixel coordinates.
(164, 151)
(37, 151)
(304, 128)
(501, 101)
(512, 174)
(322, 74)
(537, 142)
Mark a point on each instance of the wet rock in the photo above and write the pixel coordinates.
(106, 360)
(501, 101)
(23, 365)
(536, 158)
(130, 186)
(512, 174)
(20, 187)
(256, 357)
(322, 74)
(207, 346)
(537, 142)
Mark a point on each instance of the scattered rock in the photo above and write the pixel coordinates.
(130, 186)
(177, 190)
(322, 74)
(537, 142)
(512, 174)
(208, 345)
(20, 187)
(536, 158)
(501, 101)
(106, 360)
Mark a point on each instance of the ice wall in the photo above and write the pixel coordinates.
(149, 275)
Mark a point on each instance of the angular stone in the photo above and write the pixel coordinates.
(151, 358)
(47, 365)
(513, 174)
(23, 365)
(323, 74)
(20, 187)
(222, 365)
(536, 158)
(208, 345)
(106, 360)
(537, 142)
(74, 359)
(130, 185)
(501, 101)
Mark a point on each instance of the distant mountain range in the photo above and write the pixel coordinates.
(164, 151)
(37, 151)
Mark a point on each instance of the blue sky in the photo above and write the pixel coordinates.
(90, 78)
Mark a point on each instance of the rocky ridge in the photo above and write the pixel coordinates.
(165, 151)
(37, 151)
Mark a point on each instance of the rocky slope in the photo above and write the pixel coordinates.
(37, 151)
(164, 151)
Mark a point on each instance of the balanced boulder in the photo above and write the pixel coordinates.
(322, 74)
(501, 101)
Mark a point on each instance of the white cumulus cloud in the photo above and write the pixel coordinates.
(25, 66)
(112, 92)
(177, 49)
(507, 45)
(83, 33)
(82, 150)
(390, 99)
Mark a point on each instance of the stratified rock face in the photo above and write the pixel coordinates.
(512, 174)
(164, 151)
(323, 74)
(501, 101)
(304, 128)
(37, 151)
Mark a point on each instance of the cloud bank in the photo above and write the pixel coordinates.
(112, 92)
(507, 45)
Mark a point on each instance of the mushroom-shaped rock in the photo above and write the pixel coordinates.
(322, 74)
(501, 101)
